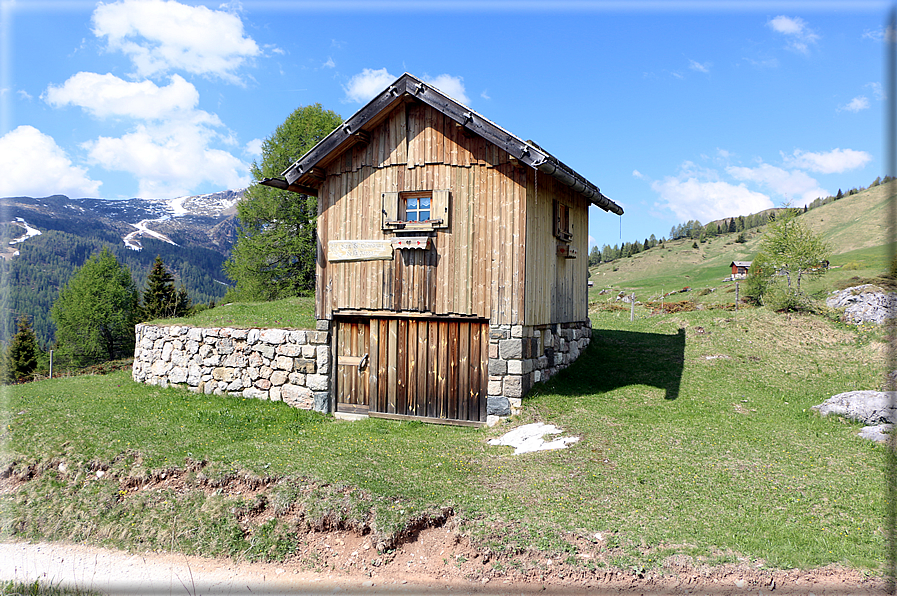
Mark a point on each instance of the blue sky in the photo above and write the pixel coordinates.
(677, 111)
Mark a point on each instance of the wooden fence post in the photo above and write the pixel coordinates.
(632, 307)
(736, 296)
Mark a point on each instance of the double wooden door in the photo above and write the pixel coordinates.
(422, 368)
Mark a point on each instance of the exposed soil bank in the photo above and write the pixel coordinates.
(417, 567)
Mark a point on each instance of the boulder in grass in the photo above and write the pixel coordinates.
(876, 409)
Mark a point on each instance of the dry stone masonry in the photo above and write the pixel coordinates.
(520, 356)
(292, 366)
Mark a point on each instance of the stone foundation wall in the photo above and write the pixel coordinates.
(520, 356)
(276, 364)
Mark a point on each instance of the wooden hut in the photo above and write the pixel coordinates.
(451, 265)
(740, 269)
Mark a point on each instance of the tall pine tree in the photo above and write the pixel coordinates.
(160, 299)
(21, 355)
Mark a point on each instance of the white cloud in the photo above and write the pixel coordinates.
(485, 94)
(254, 147)
(329, 64)
(799, 35)
(835, 161)
(451, 86)
(694, 65)
(877, 91)
(170, 158)
(23, 94)
(34, 165)
(368, 83)
(107, 95)
(857, 104)
(689, 197)
(638, 174)
(795, 186)
(163, 35)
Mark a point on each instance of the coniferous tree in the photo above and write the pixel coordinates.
(160, 299)
(21, 356)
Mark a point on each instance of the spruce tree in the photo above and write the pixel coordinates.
(21, 355)
(160, 299)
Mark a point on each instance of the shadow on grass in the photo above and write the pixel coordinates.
(619, 358)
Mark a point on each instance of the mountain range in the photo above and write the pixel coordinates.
(44, 240)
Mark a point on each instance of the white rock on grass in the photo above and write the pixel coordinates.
(864, 304)
(876, 409)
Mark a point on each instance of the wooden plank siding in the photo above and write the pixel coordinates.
(497, 258)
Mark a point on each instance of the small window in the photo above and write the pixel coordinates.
(417, 207)
(562, 222)
(415, 210)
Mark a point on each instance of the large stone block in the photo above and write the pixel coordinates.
(284, 363)
(494, 387)
(223, 374)
(511, 348)
(299, 337)
(498, 333)
(265, 350)
(323, 359)
(291, 350)
(166, 352)
(262, 384)
(279, 377)
(235, 385)
(273, 336)
(322, 325)
(225, 345)
(305, 366)
(252, 336)
(255, 393)
(497, 366)
(318, 382)
(178, 374)
(297, 396)
(297, 378)
(194, 334)
(498, 406)
(322, 401)
(318, 337)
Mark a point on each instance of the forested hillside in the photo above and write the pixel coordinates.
(33, 270)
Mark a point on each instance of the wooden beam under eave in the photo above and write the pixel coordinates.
(303, 190)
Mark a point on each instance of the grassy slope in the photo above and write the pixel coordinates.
(697, 438)
(856, 227)
(727, 462)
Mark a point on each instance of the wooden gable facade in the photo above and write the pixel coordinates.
(451, 258)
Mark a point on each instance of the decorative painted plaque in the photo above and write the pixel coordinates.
(359, 250)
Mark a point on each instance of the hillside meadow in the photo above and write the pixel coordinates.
(696, 440)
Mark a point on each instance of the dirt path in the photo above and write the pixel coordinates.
(416, 568)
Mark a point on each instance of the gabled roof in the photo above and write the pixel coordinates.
(299, 176)
(741, 263)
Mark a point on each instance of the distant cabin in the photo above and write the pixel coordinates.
(452, 258)
(740, 269)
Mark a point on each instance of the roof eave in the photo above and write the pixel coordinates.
(410, 85)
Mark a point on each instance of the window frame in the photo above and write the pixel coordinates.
(561, 216)
(394, 210)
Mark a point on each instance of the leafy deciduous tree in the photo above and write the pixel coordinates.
(96, 311)
(790, 249)
(274, 256)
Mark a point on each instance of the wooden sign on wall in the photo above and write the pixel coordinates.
(359, 250)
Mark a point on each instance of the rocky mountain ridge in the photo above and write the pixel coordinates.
(207, 220)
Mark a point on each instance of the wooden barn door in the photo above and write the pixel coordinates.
(429, 369)
(352, 366)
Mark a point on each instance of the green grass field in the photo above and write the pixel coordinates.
(696, 438)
